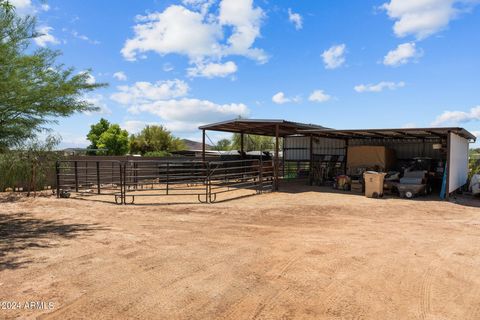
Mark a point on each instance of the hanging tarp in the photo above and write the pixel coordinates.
(378, 157)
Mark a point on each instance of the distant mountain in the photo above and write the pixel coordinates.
(194, 145)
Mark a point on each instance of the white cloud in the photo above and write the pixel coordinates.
(170, 32)
(146, 92)
(200, 5)
(245, 21)
(120, 76)
(90, 78)
(379, 86)
(73, 140)
(167, 67)
(334, 57)
(27, 7)
(45, 36)
(423, 18)
(166, 100)
(23, 7)
(409, 125)
(458, 116)
(191, 110)
(211, 70)
(319, 96)
(280, 98)
(296, 19)
(97, 100)
(135, 126)
(21, 4)
(84, 37)
(403, 54)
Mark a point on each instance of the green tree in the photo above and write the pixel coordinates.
(34, 89)
(154, 139)
(253, 142)
(223, 145)
(96, 131)
(157, 154)
(114, 140)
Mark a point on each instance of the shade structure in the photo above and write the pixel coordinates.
(263, 127)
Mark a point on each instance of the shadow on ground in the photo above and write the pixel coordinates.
(300, 186)
(21, 231)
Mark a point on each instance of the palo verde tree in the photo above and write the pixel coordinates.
(34, 88)
(155, 140)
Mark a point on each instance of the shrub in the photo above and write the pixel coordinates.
(30, 167)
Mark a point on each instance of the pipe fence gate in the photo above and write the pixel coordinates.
(156, 179)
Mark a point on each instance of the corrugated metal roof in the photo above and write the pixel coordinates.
(265, 127)
(401, 133)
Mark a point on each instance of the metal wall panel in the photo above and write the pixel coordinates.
(458, 166)
(297, 142)
(326, 146)
(297, 148)
(404, 149)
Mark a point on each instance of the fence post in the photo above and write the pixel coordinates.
(208, 191)
(98, 177)
(57, 171)
(122, 182)
(76, 175)
(135, 175)
(260, 178)
(168, 177)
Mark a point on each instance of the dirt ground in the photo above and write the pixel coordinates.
(295, 254)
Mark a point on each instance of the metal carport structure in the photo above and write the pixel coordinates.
(456, 139)
(264, 127)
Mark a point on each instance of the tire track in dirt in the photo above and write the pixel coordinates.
(428, 281)
(272, 278)
(333, 300)
(87, 306)
(426, 291)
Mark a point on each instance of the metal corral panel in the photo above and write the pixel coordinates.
(404, 149)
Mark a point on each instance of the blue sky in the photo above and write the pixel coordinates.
(341, 64)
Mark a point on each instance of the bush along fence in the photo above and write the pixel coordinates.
(128, 180)
(21, 173)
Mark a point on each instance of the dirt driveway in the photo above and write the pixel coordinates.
(284, 255)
